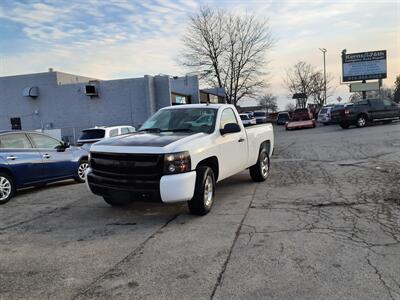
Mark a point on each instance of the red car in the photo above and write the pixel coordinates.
(301, 118)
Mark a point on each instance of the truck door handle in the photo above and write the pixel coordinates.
(241, 140)
(46, 155)
(11, 157)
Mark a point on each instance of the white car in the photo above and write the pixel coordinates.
(261, 116)
(324, 115)
(95, 134)
(247, 119)
(169, 160)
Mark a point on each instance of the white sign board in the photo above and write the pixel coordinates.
(364, 65)
(364, 87)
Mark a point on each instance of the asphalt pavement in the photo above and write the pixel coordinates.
(325, 225)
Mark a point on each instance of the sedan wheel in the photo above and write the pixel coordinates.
(83, 165)
(6, 188)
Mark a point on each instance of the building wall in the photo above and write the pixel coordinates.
(63, 104)
(187, 85)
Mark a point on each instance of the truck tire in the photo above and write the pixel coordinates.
(7, 188)
(203, 197)
(117, 202)
(361, 121)
(344, 125)
(260, 171)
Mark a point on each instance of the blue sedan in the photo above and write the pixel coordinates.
(34, 159)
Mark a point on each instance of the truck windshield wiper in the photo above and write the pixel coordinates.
(178, 130)
(151, 129)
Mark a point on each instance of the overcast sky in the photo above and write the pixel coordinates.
(118, 39)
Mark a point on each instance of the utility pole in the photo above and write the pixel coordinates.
(323, 50)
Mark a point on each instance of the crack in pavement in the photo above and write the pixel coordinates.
(381, 279)
(86, 290)
(237, 233)
(41, 215)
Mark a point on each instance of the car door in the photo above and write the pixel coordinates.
(377, 109)
(57, 160)
(391, 109)
(232, 147)
(24, 161)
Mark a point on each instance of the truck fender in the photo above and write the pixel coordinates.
(211, 162)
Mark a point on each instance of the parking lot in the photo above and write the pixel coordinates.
(325, 225)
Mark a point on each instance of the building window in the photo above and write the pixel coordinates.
(180, 99)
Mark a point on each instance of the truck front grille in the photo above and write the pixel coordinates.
(127, 166)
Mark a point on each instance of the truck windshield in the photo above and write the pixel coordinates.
(182, 119)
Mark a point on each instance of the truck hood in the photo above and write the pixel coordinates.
(143, 139)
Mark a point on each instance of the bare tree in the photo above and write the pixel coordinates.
(290, 107)
(383, 93)
(302, 78)
(318, 88)
(354, 97)
(268, 101)
(228, 51)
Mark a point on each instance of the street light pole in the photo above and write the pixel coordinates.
(324, 52)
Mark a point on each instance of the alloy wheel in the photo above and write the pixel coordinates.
(361, 121)
(82, 169)
(264, 165)
(5, 188)
(208, 191)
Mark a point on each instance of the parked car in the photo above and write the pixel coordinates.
(171, 159)
(250, 113)
(301, 118)
(283, 118)
(247, 120)
(261, 116)
(34, 159)
(365, 111)
(95, 134)
(324, 115)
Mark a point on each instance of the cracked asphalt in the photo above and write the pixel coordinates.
(325, 225)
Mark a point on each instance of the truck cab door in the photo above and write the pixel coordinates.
(232, 146)
(391, 109)
(377, 109)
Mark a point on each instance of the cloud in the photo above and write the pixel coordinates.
(125, 38)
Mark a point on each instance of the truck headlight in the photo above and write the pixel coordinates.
(177, 162)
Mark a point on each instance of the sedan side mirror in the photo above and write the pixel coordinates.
(63, 146)
(230, 128)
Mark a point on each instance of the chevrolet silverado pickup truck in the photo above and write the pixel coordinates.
(178, 155)
(365, 111)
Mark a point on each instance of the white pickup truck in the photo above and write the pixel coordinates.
(178, 155)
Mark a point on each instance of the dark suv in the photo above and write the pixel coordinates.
(34, 159)
(365, 111)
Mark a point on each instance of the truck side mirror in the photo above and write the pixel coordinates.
(230, 128)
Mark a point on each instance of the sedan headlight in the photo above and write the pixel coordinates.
(177, 162)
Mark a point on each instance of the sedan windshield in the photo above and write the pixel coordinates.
(183, 120)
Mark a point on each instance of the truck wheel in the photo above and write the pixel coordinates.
(7, 188)
(80, 176)
(361, 121)
(117, 201)
(344, 125)
(260, 171)
(203, 197)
